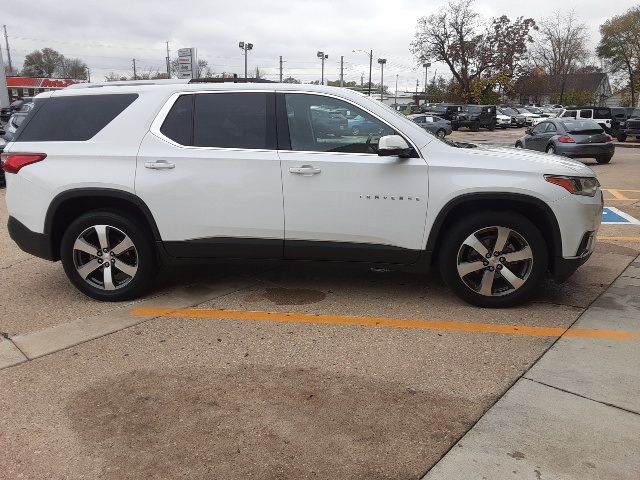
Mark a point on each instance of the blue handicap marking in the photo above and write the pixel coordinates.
(612, 215)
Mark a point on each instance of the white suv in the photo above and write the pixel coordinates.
(114, 179)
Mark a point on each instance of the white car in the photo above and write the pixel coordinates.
(114, 179)
(503, 121)
(529, 117)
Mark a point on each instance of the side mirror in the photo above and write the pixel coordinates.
(393, 146)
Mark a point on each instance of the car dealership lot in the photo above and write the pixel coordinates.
(375, 374)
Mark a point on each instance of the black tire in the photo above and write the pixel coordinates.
(604, 159)
(441, 133)
(355, 131)
(143, 253)
(455, 127)
(519, 145)
(451, 247)
(475, 127)
(492, 126)
(621, 137)
(550, 149)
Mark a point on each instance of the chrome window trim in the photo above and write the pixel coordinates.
(164, 111)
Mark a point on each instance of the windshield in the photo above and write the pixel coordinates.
(582, 126)
(508, 111)
(537, 111)
(472, 109)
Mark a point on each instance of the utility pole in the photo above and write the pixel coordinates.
(245, 47)
(322, 56)
(168, 62)
(370, 67)
(426, 66)
(280, 68)
(6, 42)
(362, 80)
(395, 101)
(382, 61)
(342, 70)
(417, 98)
(135, 72)
(4, 93)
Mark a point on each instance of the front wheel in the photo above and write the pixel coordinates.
(441, 133)
(475, 127)
(492, 126)
(108, 256)
(621, 137)
(493, 259)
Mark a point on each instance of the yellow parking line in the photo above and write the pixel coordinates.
(616, 194)
(620, 239)
(383, 322)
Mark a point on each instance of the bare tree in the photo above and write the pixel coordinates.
(619, 47)
(458, 37)
(43, 63)
(74, 68)
(561, 46)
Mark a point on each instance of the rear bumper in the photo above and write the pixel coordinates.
(585, 150)
(38, 244)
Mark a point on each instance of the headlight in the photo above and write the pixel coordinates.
(586, 186)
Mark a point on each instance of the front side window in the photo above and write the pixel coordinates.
(586, 113)
(324, 124)
(232, 120)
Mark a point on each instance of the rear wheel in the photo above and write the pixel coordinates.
(492, 126)
(475, 127)
(493, 259)
(551, 150)
(621, 137)
(441, 133)
(107, 256)
(519, 145)
(604, 159)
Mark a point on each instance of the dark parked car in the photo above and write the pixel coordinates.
(436, 125)
(631, 126)
(358, 125)
(517, 120)
(328, 122)
(570, 137)
(16, 105)
(476, 117)
(448, 112)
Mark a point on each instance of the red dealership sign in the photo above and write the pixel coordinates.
(30, 82)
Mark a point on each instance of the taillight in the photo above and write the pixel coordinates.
(566, 139)
(13, 162)
(609, 138)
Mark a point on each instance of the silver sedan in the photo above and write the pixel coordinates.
(434, 124)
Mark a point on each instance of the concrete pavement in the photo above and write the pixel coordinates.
(574, 415)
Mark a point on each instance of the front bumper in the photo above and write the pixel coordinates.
(38, 244)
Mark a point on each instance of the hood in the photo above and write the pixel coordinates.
(510, 158)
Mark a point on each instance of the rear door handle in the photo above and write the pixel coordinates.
(159, 165)
(306, 170)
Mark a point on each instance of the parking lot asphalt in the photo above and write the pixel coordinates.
(314, 373)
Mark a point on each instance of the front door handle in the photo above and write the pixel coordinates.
(159, 165)
(306, 170)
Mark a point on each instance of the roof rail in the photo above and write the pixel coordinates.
(234, 79)
(128, 83)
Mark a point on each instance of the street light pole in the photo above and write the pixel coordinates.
(370, 55)
(382, 61)
(245, 47)
(426, 67)
(322, 57)
(395, 100)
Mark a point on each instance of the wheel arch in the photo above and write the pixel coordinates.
(68, 205)
(533, 208)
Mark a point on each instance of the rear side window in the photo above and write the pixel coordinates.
(234, 120)
(178, 125)
(77, 118)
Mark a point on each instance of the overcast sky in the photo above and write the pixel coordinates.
(107, 35)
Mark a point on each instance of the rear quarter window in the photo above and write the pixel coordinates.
(77, 118)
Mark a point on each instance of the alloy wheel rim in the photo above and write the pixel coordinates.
(105, 257)
(494, 261)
